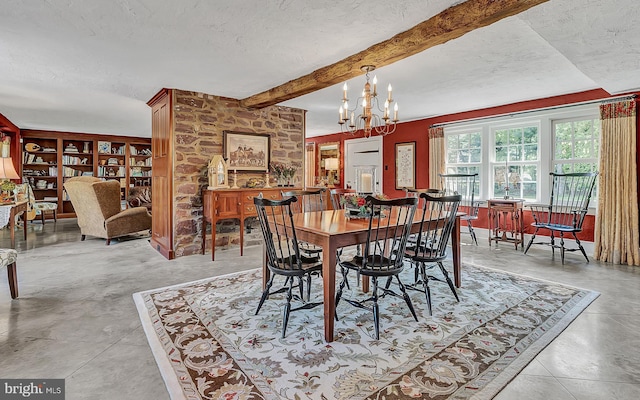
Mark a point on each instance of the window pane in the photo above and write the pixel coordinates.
(583, 129)
(529, 173)
(531, 152)
(582, 149)
(515, 136)
(564, 150)
(501, 154)
(515, 153)
(529, 190)
(583, 168)
(501, 138)
(476, 155)
(564, 131)
(531, 135)
(452, 156)
(476, 140)
(452, 142)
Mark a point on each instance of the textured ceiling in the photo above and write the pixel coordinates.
(91, 66)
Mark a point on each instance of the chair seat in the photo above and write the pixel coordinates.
(384, 263)
(556, 227)
(45, 206)
(308, 264)
(8, 256)
(469, 218)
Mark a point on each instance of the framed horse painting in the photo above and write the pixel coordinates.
(246, 151)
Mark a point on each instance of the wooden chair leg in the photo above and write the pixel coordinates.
(42, 216)
(13, 280)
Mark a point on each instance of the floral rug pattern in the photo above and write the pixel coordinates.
(209, 344)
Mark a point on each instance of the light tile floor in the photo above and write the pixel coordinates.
(75, 317)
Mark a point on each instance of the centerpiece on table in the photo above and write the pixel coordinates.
(355, 205)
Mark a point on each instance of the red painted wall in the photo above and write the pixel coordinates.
(418, 131)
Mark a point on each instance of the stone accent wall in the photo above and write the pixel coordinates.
(199, 122)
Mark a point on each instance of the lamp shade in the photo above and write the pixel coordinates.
(331, 164)
(7, 171)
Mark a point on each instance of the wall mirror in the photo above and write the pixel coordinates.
(329, 163)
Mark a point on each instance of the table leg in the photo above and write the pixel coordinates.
(329, 286)
(204, 235)
(12, 226)
(241, 237)
(213, 239)
(24, 225)
(491, 224)
(455, 250)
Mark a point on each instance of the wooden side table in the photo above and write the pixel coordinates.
(232, 204)
(506, 223)
(16, 209)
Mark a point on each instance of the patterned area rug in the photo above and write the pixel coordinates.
(209, 345)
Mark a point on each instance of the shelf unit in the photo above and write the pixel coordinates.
(140, 161)
(50, 158)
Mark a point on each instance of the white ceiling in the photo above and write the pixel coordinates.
(91, 65)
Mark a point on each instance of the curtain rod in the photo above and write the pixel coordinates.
(517, 113)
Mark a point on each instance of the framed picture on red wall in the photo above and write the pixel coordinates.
(406, 165)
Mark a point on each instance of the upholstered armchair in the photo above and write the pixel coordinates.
(98, 209)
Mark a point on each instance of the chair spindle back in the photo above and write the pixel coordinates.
(390, 224)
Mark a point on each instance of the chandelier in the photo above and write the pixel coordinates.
(368, 120)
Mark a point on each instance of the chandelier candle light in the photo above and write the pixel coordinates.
(368, 121)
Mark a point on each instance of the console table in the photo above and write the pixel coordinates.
(506, 223)
(237, 204)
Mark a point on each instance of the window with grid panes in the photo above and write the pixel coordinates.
(576, 144)
(516, 162)
(464, 153)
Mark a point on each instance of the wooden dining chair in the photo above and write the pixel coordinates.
(284, 256)
(468, 186)
(337, 195)
(308, 201)
(416, 193)
(568, 205)
(430, 249)
(390, 224)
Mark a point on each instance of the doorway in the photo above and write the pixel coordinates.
(363, 151)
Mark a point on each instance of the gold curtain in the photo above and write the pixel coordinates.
(436, 156)
(616, 230)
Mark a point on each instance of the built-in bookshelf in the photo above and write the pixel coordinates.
(50, 158)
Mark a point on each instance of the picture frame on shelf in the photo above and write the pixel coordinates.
(104, 147)
(406, 165)
(244, 151)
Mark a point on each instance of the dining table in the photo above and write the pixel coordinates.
(332, 230)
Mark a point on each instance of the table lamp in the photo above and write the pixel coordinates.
(331, 164)
(7, 171)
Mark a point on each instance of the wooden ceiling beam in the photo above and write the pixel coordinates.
(450, 24)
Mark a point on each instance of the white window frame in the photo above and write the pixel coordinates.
(492, 161)
(544, 119)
